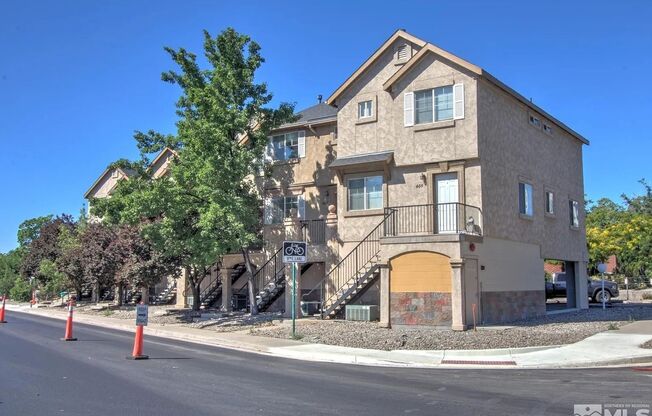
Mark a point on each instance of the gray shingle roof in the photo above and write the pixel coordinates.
(316, 113)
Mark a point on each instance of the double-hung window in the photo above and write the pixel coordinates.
(525, 199)
(574, 213)
(365, 109)
(365, 193)
(433, 105)
(279, 208)
(285, 146)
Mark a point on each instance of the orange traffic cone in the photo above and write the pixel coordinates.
(137, 353)
(2, 311)
(68, 336)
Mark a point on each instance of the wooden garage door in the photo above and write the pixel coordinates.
(420, 271)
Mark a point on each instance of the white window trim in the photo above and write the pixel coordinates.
(269, 204)
(531, 200)
(573, 219)
(550, 212)
(364, 193)
(371, 109)
(434, 105)
(301, 146)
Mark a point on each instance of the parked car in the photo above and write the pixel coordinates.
(556, 288)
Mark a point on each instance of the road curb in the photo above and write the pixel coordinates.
(468, 359)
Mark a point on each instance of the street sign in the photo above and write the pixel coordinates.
(141, 315)
(295, 252)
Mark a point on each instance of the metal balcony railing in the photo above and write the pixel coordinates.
(314, 231)
(448, 218)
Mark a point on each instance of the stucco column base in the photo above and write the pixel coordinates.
(288, 292)
(293, 228)
(182, 285)
(385, 308)
(331, 237)
(457, 295)
(227, 290)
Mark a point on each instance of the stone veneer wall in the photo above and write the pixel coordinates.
(420, 308)
(506, 306)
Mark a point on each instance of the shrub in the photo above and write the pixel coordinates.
(21, 291)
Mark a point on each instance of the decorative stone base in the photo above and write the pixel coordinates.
(420, 308)
(500, 307)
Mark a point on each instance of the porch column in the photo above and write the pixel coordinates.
(182, 285)
(581, 288)
(457, 295)
(332, 243)
(288, 292)
(227, 290)
(385, 294)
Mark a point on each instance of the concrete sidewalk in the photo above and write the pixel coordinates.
(610, 348)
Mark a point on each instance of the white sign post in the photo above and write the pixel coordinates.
(602, 268)
(294, 252)
(141, 315)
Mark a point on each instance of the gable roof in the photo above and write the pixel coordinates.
(398, 34)
(428, 48)
(126, 172)
(163, 153)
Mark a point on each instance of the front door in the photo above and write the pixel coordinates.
(447, 198)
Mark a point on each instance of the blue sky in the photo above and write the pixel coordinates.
(78, 77)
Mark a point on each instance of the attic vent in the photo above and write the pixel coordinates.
(115, 174)
(403, 52)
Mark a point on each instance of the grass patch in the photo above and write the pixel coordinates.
(296, 337)
(107, 312)
(612, 327)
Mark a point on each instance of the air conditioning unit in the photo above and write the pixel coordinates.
(362, 313)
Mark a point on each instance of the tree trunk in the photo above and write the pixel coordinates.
(145, 294)
(253, 307)
(194, 286)
(119, 291)
(78, 292)
(96, 293)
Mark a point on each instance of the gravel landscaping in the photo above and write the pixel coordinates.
(159, 314)
(549, 330)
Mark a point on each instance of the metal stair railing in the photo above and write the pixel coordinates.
(351, 270)
(266, 277)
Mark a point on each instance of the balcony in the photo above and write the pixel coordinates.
(433, 219)
(313, 231)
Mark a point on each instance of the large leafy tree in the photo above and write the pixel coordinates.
(40, 238)
(208, 205)
(9, 270)
(623, 230)
(141, 265)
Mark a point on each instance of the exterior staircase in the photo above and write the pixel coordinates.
(167, 295)
(213, 292)
(269, 281)
(352, 275)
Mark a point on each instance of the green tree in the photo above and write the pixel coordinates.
(9, 270)
(29, 230)
(21, 290)
(55, 280)
(208, 205)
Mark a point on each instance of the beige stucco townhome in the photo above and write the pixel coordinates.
(424, 186)
(452, 190)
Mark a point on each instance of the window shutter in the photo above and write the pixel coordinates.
(269, 152)
(301, 211)
(268, 210)
(302, 144)
(408, 109)
(458, 101)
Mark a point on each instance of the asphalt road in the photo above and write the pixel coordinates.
(41, 375)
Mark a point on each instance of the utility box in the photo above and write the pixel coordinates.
(362, 313)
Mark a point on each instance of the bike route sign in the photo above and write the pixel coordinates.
(295, 252)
